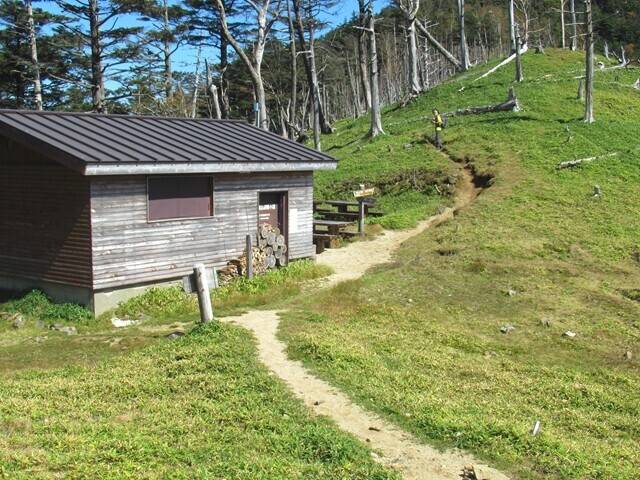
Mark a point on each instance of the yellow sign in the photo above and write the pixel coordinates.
(365, 192)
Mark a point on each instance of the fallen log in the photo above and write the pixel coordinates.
(438, 46)
(573, 163)
(510, 105)
(615, 67)
(523, 49)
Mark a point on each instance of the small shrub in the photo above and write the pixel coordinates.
(156, 300)
(396, 221)
(632, 294)
(294, 273)
(33, 303)
(70, 312)
(37, 304)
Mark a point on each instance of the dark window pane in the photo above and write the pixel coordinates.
(179, 197)
(163, 195)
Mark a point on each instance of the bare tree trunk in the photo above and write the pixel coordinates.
(224, 83)
(425, 66)
(414, 73)
(354, 90)
(35, 67)
(438, 46)
(168, 74)
(253, 64)
(376, 116)
(410, 10)
(363, 55)
(196, 85)
(212, 91)
(97, 78)
(464, 51)
(512, 26)
(564, 43)
(315, 94)
(510, 105)
(573, 41)
(312, 76)
(588, 112)
(294, 76)
(519, 76)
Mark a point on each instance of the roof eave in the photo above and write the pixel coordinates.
(205, 167)
(25, 139)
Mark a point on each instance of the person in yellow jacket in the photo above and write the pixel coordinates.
(437, 122)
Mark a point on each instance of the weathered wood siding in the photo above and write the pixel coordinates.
(45, 228)
(130, 250)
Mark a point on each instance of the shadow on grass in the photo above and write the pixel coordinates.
(501, 121)
(337, 147)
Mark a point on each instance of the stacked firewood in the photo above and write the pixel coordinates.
(272, 251)
(269, 253)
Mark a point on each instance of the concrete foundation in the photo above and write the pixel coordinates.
(98, 302)
(57, 291)
(105, 300)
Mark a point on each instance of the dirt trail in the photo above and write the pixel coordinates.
(416, 461)
(355, 259)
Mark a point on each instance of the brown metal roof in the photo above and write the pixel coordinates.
(120, 144)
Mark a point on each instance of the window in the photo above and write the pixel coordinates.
(180, 197)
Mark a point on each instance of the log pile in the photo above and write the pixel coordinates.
(269, 253)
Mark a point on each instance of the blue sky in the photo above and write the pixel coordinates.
(185, 58)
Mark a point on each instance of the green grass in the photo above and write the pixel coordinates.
(419, 340)
(160, 311)
(37, 304)
(200, 407)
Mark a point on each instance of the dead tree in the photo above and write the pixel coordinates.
(588, 111)
(464, 50)
(519, 76)
(196, 86)
(212, 92)
(35, 67)
(573, 41)
(362, 54)
(293, 103)
(266, 17)
(510, 105)
(564, 45)
(438, 46)
(410, 10)
(507, 60)
(512, 26)
(573, 163)
(581, 90)
(376, 115)
(307, 45)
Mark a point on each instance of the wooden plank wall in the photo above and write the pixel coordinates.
(45, 224)
(129, 250)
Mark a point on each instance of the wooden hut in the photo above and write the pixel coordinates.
(95, 208)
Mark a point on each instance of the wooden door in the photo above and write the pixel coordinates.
(272, 210)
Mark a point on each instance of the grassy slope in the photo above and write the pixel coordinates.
(423, 348)
(199, 407)
(426, 349)
(202, 406)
